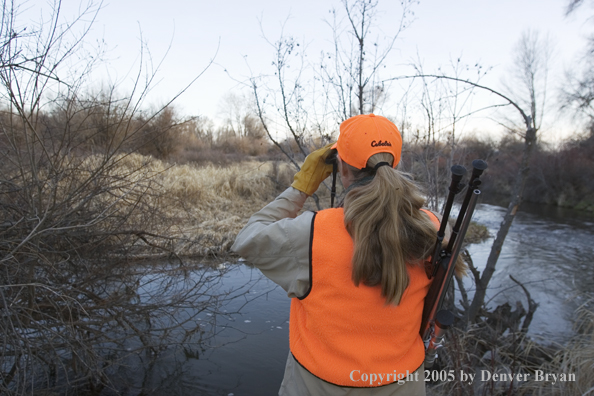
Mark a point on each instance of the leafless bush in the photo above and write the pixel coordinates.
(73, 329)
(483, 351)
(496, 349)
(162, 135)
(76, 210)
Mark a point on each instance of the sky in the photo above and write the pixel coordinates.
(184, 36)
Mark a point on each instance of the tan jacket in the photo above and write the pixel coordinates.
(276, 241)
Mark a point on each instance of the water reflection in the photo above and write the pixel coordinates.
(546, 249)
(245, 357)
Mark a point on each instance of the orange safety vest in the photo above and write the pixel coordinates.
(342, 333)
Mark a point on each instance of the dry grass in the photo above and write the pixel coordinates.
(205, 207)
(577, 357)
(479, 349)
(197, 209)
(476, 233)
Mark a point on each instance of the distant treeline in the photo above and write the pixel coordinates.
(562, 176)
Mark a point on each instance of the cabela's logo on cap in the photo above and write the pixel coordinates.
(380, 143)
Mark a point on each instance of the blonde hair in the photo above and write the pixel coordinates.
(388, 228)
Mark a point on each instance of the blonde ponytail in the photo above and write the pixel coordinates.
(388, 228)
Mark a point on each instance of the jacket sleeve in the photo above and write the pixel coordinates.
(276, 241)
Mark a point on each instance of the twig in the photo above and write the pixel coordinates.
(532, 305)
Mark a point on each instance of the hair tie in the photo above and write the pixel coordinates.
(380, 164)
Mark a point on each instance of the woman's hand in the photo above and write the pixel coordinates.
(314, 171)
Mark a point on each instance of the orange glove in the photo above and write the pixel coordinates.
(314, 171)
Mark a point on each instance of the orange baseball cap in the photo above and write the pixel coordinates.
(365, 135)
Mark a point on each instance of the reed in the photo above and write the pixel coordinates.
(205, 207)
(576, 357)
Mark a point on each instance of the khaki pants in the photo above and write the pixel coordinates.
(300, 382)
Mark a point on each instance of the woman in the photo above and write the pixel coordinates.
(355, 273)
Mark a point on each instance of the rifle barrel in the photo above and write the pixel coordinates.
(458, 172)
(478, 166)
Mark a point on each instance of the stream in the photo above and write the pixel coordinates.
(548, 249)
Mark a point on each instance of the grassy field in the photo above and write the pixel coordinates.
(205, 207)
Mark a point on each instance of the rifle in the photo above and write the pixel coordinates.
(435, 321)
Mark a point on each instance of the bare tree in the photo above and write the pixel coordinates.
(240, 119)
(348, 74)
(286, 99)
(577, 92)
(443, 104)
(351, 69)
(532, 56)
(76, 209)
